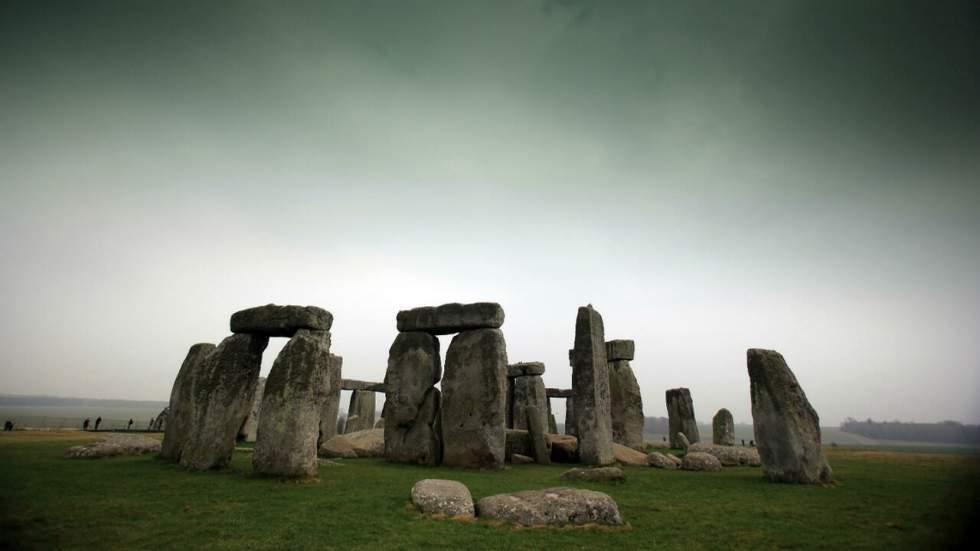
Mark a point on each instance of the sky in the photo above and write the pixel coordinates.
(796, 175)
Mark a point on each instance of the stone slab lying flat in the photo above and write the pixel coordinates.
(442, 497)
(354, 384)
(451, 318)
(620, 349)
(522, 369)
(598, 474)
(114, 444)
(280, 321)
(551, 506)
(559, 392)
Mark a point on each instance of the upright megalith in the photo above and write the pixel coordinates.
(222, 398)
(280, 321)
(183, 403)
(251, 425)
(537, 429)
(360, 411)
(411, 399)
(680, 416)
(330, 408)
(451, 318)
(570, 425)
(590, 385)
(289, 425)
(626, 403)
(527, 388)
(474, 388)
(723, 428)
(787, 429)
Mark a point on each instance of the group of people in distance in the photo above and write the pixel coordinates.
(98, 421)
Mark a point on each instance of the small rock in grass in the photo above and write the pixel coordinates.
(444, 497)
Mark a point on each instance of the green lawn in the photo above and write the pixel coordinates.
(882, 500)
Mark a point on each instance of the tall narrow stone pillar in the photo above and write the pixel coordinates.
(411, 400)
(680, 417)
(590, 386)
(331, 404)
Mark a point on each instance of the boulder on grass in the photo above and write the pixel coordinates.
(367, 443)
(551, 506)
(663, 461)
(442, 497)
(338, 446)
(628, 456)
(564, 448)
(519, 459)
(700, 461)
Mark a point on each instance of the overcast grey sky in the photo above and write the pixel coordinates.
(711, 176)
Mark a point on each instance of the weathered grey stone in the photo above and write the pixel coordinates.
(787, 429)
(474, 390)
(729, 456)
(521, 369)
(663, 461)
(723, 428)
(528, 391)
(251, 425)
(621, 349)
(536, 428)
(700, 461)
(160, 421)
(354, 384)
(289, 426)
(443, 497)
(341, 423)
(564, 448)
(682, 441)
(360, 412)
(680, 416)
(570, 423)
(656, 444)
(597, 474)
(412, 402)
(280, 321)
(331, 403)
(114, 444)
(519, 459)
(183, 405)
(590, 382)
(337, 446)
(451, 318)
(552, 423)
(626, 404)
(367, 443)
(559, 392)
(222, 397)
(380, 423)
(551, 506)
(628, 456)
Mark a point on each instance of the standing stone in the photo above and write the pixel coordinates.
(411, 399)
(723, 428)
(552, 423)
(680, 416)
(474, 391)
(360, 412)
(182, 408)
(251, 424)
(222, 398)
(590, 384)
(331, 403)
(289, 426)
(537, 430)
(787, 429)
(529, 391)
(570, 428)
(626, 404)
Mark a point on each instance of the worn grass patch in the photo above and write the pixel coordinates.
(881, 501)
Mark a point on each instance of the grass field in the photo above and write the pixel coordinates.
(882, 500)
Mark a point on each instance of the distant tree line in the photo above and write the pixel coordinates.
(56, 401)
(947, 432)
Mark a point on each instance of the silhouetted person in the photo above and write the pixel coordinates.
(8, 425)
(86, 423)
(664, 438)
(743, 441)
(98, 421)
(751, 443)
(130, 425)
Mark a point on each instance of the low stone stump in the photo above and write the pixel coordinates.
(730, 456)
(451, 318)
(364, 443)
(443, 497)
(337, 447)
(700, 461)
(598, 474)
(723, 428)
(114, 444)
(663, 461)
(280, 321)
(564, 448)
(628, 456)
(551, 506)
